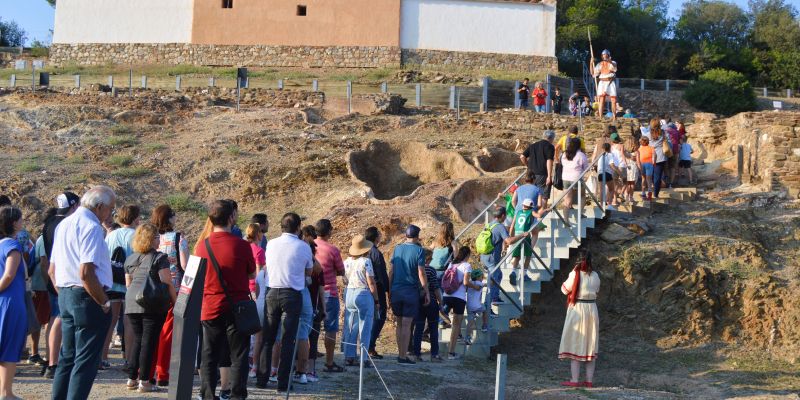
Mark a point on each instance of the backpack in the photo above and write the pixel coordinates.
(450, 282)
(483, 243)
(118, 265)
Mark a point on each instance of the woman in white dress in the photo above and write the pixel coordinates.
(579, 340)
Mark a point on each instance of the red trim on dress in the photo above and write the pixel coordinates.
(577, 357)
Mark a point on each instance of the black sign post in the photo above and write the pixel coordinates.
(186, 329)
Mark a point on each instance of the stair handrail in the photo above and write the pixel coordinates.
(489, 206)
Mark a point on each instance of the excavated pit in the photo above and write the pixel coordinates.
(494, 159)
(471, 197)
(398, 169)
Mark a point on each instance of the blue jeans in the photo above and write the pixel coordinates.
(380, 320)
(84, 326)
(306, 316)
(494, 290)
(658, 175)
(539, 109)
(429, 314)
(359, 304)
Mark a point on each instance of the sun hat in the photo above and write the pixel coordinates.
(360, 246)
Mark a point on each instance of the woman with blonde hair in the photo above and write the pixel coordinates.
(580, 337)
(146, 262)
(442, 248)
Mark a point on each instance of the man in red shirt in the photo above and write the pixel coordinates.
(332, 266)
(237, 266)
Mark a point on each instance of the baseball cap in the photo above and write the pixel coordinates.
(412, 232)
(67, 200)
(527, 203)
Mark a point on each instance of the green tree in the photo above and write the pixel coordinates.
(716, 22)
(721, 91)
(11, 34)
(775, 25)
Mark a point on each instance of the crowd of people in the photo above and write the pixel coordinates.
(98, 276)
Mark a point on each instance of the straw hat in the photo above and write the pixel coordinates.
(360, 246)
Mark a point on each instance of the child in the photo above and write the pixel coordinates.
(645, 155)
(685, 161)
(475, 306)
(633, 173)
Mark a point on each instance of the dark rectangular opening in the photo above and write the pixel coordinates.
(227, 3)
(301, 11)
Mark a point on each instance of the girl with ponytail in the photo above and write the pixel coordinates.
(579, 339)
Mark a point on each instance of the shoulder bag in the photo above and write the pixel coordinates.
(245, 312)
(666, 146)
(558, 182)
(153, 295)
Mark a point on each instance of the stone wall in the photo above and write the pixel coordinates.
(196, 54)
(509, 62)
(770, 145)
(287, 56)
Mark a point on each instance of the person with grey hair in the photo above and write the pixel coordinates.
(539, 157)
(82, 272)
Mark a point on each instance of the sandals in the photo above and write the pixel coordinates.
(333, 368)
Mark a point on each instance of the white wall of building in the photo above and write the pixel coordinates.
(123, 21)
(478, 26)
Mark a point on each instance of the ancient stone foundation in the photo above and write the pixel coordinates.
(287, 56)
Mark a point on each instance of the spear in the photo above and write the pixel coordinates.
(591, 65)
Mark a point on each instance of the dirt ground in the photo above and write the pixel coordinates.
(699, 306)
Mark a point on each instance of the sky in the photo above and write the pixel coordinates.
(36, 16)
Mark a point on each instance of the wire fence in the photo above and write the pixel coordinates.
(488, 95)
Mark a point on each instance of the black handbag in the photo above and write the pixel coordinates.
(154, 295)
(558, 183)
(245, 312)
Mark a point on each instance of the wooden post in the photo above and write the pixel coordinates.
(641, 84)
(130, 82)
(111, 81)
(419, 95)
(77, 81)
(789, 93)
(13, 82)
(765, 91)
(500, 376)
(315, 85)
(548, 88)
(452, 104)
(349, 97)
(384, 87)
(280, 84)
(516, 95)
(144, 81)
(178, 83)
(739, 162)
(667, 85)
(485, 94)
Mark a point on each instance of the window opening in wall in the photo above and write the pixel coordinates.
(227, 3)
(301, 11)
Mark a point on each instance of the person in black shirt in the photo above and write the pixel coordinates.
(556, 101)
(524, 94)
(382, 282)
(538, 157)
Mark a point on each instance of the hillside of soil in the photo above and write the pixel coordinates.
(702, 304)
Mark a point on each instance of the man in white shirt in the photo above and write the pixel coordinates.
(289, 262)
(82, 268)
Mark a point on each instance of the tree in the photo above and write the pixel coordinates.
(716, 22)
(721, 91)
(11, 34)
(775, 25)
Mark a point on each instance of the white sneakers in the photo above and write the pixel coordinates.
(301, 378)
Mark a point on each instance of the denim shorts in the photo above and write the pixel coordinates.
(405, 302)
(332, 308)
(306, 314)
(647, 169)
(54, 310)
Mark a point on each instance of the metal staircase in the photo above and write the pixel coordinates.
(563, 233)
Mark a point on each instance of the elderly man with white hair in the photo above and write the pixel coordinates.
(82, 268)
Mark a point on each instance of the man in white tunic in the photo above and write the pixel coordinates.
(606, 72)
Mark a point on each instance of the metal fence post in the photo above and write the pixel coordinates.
(178, 83)
(212, 82)
(111, 81)
(516, 95)
(349, 97)
(500, 376)
(280, 84)
(144, 81)
(765, 91)
(418, 94)
(485, 94)
(384, 87)
(452, 104)
(13, 82)
(641, 84)
(315, 85)
(667, 85)
(547, 101)
(77, 81)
